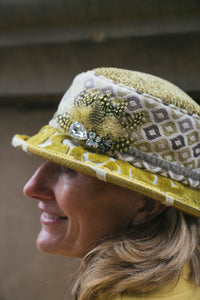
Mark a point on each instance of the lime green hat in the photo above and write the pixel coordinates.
(129, 128)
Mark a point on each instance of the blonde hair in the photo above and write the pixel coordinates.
(142, 257)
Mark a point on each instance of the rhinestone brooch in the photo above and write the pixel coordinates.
(78, 131)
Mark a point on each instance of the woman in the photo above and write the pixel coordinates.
(120, 186)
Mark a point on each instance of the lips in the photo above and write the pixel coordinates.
(53, 217)
(50, 215)
(49, 219)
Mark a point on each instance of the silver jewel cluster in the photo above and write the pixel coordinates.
(78, 131)
(93, 140)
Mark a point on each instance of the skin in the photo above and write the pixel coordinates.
(94, 209)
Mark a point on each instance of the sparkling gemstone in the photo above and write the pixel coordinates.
(92, 135)
(78, 131)
(98, 139)
(95, 145)
(89, 143)
(105, 145)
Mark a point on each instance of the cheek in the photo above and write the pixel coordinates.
(71, 199)
(92, 205)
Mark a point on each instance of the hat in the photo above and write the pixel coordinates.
(128, 128)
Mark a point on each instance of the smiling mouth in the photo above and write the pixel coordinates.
(52, 217)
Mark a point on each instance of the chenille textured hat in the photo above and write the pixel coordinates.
(129, 128)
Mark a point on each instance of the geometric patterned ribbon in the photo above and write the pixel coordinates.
(135, 127)
(165, 165)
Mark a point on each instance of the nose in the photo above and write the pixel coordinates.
(40, 185)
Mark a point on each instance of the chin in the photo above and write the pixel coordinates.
(48, 244)
(45, 246)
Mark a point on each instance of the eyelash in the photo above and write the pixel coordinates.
(66, 170)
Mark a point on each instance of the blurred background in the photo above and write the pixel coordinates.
(43, 44)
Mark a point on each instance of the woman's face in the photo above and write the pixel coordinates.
(78, 210)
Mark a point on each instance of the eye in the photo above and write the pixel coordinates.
(63, 170)
(67, 170)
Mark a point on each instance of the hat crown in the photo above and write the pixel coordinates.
(150, 132)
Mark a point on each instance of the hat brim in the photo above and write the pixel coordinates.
(52, 145)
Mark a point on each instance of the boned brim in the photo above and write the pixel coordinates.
(54, 146)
